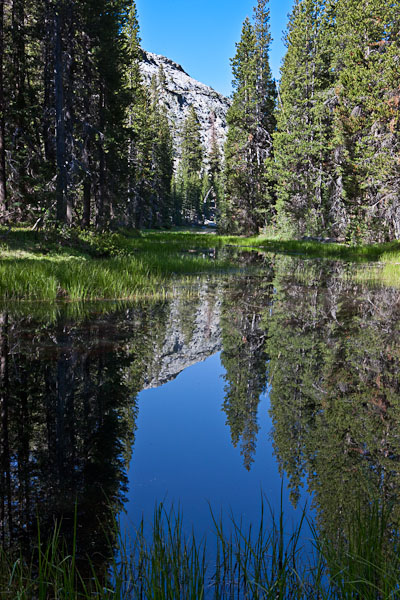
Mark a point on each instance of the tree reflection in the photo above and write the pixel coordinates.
(244, 357)
(335, 359)
(68, 412)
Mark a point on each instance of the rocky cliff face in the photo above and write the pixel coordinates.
(182, 92)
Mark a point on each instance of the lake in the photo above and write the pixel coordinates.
(280, 381)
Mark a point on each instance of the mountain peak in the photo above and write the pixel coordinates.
(156, 59)
(182, 91)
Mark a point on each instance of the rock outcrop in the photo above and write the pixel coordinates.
(184, 91)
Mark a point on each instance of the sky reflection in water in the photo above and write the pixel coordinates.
(183, 454)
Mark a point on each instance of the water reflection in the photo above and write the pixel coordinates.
(244, 357)
(326, 348)
(68, 415)
(334, 363)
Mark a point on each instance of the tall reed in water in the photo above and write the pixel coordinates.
(263, 562)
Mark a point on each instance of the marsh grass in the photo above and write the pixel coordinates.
(112, 278)
(305, 248)
(264, 561)
(82, 265)
(363, 562)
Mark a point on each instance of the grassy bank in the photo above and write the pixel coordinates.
(80, 265)
(247, 563)
(84, 266)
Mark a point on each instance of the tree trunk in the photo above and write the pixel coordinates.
(87, 137)
(87, 182)
(3, 188)
(61, 193)
(48, 85)
(20, 110)
(69, 96)
(102, 204)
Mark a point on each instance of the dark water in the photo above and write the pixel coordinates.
(288, 374)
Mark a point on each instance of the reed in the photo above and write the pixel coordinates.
(265, 561)
(95, 279)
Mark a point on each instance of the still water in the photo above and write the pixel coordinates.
(281, 381)
(184, 453)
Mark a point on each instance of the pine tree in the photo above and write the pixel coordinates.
(265, 110)
(251, 122)
(303, 162)
(244, 360)
(113, 60)
(211, 187)
(177, 195)
(190, 169)
(63, 210)
(137, 121)
(3, 179)
(215, 200)
(239, 168)
(162, 163)
(64, 124)
(22, 89)
(367, 124)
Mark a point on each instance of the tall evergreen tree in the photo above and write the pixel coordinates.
(113, 102)
(83, 141)
(251, 124)
(65, 124)
(244, 360)
(162, 163)
(215, 190)
(367, 125)
(59, 97)
(3, 184)
(305, 113)
(190, 169)
(137, 124)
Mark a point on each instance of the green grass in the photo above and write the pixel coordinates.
(263, 561)
(33, 267)
(81, 265)
(306, 248)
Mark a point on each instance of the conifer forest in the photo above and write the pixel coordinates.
(84, 142)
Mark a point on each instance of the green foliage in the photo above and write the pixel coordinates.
(150, 157)
(214, 200)
(137, 125)
(92, 145)
(86, 143)
(162, 155)
(248, 187)
(303, 166)
(334, 359)
(75, 264)
(244, 360)
(72, 265)
(336, 162)
(189, 177)
(366, 124)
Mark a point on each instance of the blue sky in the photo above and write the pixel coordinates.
(201, 35)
